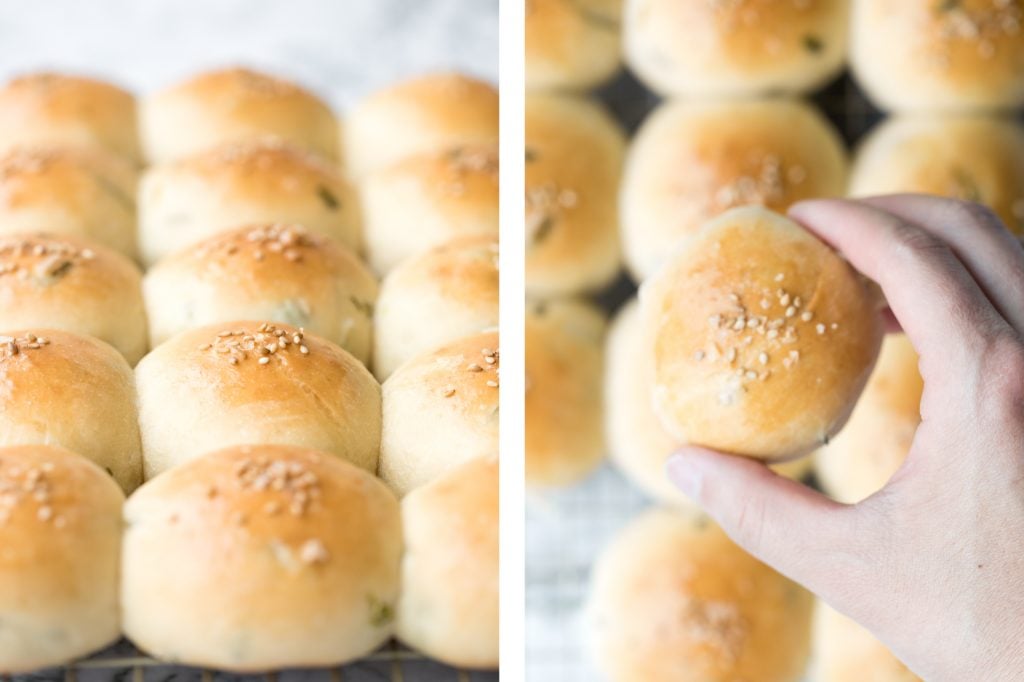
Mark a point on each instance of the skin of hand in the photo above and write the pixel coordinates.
(933, 563)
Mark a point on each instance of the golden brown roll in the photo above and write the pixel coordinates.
(571, 44)
(691, 161)
(255, 383)
(761, 337)
(574, 154)
(846, 652)
(673, 599)
(260, 557)
(60, 529)
(449, 604)
(232, 105)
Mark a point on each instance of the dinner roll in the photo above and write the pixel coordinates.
(230, 105)
(868, 451)
(430, 113)
(60, 530)
(275, 272)
(673, 599)
(574, 154)
(691, 161)
(441, 295)
(846, 652)
(954, 55)
(974, 158)
(738, 47)
(428, 199)
(72, 391)
(74, 285)
(53, 110)
(439, 410)
(184, 202)
(254, 383)
(80, 192)
(760, 337)
(564, 358)
(571, 44)
(260, 557)
(449, 604)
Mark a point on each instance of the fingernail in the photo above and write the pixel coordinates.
(684, 475)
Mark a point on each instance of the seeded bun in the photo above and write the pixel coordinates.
(761, 337)
(52, 110)
(280, 273)
(440, 410)
(232, 105)
(692, 161)
(924, 55)
(431, 299)
(564, 358)
(255, 383)
(429, 113)
(74, 285)
(571, 44)
(71, 391)
(60, 529)
(846, 652)
(260, 557)
(574, 154)
(445, 195)
(184, 202)
(975, 158)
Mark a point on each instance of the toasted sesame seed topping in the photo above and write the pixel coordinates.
(820, 328)
(449, 392)
(473, 367)
(699, 355)
(313, 552)
(267, 344)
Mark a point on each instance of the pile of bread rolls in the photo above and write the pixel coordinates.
(199, 299)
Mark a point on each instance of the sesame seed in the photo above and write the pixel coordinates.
(731, 355)
(835, 325)
(313, 552)
(784, 299)
(45, 513)
(304, 350)
(806, 315)
(820, 328)
(779, 277)
(790, 311)
(492, 384)
(699, 355)
(763, 358)
(264, 360)
(751, 374)
(449, 392)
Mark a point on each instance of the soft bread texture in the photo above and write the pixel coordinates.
(260, 557)
(255, 383)
(54, 110)
(440, 410)
(428, 199)
(574, 153)
(231, 105)
(276, 272)
(184, 202)
(846, 652)
(735, 48)
(60, 534)
(571, 44)
(692, 161)
(430, 113)
(449, 604)
(62, 282)
(673, 599)
(926, 55)
(564, 405)
(761, 337)
(434, 298)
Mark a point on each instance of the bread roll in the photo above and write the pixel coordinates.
(259, 557)
(79, 192)
(692, 161)
(53, 110)
(431, 299)
(951, 55)
(60, 529)
(430, 113)
(276, 272)
(571, 44)
(574, 154)
(71, 391)
(440, 410)
(74, 285)
(428, 199)
(564, 359)
(231, 105)
(974, 158)
(761, 337)
(449, 604)
(255, 383)
(184, 202)
(846, 652)
(673, 599)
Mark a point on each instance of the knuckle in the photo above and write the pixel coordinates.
(1002, 372)
(973, 213)
(914, 245)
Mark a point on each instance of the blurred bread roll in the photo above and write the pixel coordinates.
(846, 652)
(571, 44)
